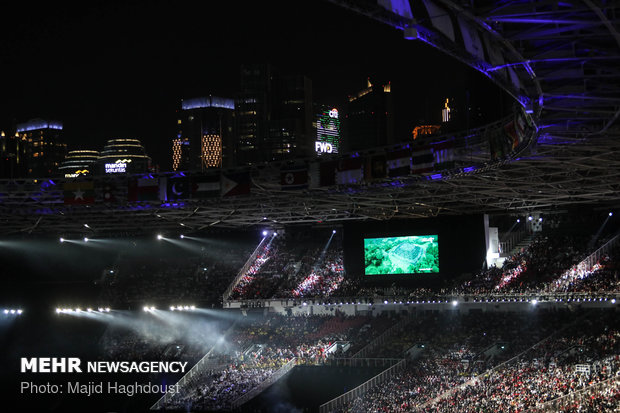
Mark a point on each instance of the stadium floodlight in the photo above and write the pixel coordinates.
(540, 219)
(107, 309)
(611, 214)
(12, 311)
(264, 233)
(159, 236)
(58, 311)
(6, 311)
(182, 236)
(86, 226)
(90, 310)
(275, 233)
(172, 308)
(454, 303)
(534, 301)
(333, 231)
(518, 220)
(193, 307)
(152, 308)
(62, 239)
(20, 311)
(145, 308)
(530, 218)
(613, 301)
(85, 239)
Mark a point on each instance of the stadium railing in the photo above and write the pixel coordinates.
(263, 385)
(204, 365)
(383, 337)
(338, 402)
(243, 270)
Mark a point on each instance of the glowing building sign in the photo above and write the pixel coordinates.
(328, 132)
(323, 147)
(120, 166)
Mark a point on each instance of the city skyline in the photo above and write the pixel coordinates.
(121, 70)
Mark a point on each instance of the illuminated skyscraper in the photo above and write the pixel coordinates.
(204, 134)
(327, 131)
(180, 154)
(14, 154)
(123, 156)
(78, 163)
(46, 150)
(369, 118)
(445, 112)
(273, 115)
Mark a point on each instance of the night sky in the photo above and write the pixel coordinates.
(120, 69)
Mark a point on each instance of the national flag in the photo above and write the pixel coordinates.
(235, 183)
(143, 189)
(399, 162)
(294, 178)
(443, 154)
(79, 193)
(375, 167)
(176, 188)
(350, 171)
(422, 160)
(206, 186)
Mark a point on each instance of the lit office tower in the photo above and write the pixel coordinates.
(120, 156)
(273, 115)
(204, 134)
(14, 153)
(45, 146)
(445, 112)
(78, 163)
(369, 118)
(180, 154)
(327, 131)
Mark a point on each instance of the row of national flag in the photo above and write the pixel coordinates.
(349, 171)
(356, 170)
(164, 189)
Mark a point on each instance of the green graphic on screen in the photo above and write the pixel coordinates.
(414, 254)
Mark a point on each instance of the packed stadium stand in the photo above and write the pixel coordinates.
(488, 282)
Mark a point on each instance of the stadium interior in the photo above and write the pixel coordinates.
(491, 286)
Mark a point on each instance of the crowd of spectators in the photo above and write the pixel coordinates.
(299, 264)
(455, 371)
(258, 348)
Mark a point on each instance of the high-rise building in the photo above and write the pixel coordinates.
(78, 163)
(273, 115)
(123, 156)
(369, 120)
(46, 150)
(327, 131)
(445, 112)
(14, 154)
(204, 134)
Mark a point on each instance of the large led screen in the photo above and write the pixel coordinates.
(415, 254)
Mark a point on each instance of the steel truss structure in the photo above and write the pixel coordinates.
(561, 62)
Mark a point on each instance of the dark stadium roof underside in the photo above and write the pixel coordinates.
(555, 177)
(571, 51)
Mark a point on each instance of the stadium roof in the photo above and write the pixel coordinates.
(561, 62)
